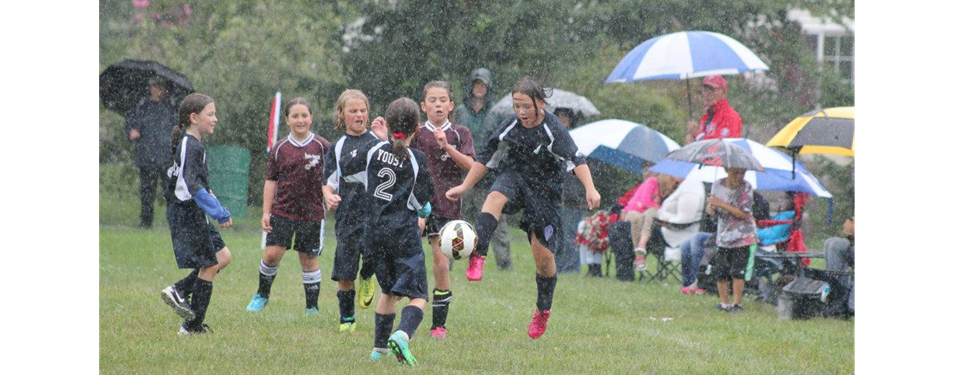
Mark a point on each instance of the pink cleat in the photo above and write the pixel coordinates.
(539, 324)
(475, 269)
(439, 333)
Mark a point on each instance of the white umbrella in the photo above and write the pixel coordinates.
(559, 99)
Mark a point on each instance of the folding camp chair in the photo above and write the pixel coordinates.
(665, 270)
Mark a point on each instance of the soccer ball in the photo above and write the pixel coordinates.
(458, 239)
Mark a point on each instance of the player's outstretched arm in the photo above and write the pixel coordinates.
(473, 177)
(593, 196)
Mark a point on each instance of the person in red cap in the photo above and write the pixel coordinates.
(720, 120)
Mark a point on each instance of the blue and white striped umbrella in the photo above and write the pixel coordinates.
(778, 175)
(684, 55)
(622, 143)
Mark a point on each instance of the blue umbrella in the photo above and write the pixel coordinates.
(622, 143)
(685, 55)
(777, 175)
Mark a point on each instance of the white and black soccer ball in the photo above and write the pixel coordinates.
(458, 239)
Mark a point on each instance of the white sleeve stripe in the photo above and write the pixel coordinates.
(337, 153)
(412, 202)
(182, 191)
(507, 130)
(414, 164)
(360, 177)
(373, 151)
(550, 135)
(496, 157)
(334, 182)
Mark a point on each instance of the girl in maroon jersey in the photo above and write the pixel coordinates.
(293, 205)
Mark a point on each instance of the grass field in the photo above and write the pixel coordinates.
(598, 325)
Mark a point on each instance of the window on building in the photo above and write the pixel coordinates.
(838, 54)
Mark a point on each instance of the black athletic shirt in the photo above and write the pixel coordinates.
(350, 214)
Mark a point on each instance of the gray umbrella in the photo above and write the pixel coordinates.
(717, 153)
(559, 99)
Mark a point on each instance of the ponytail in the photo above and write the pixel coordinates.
(403, 119)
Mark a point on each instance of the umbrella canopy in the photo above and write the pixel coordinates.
(825, 131)
(123, 85)
(777, 174)
(559, 99)
(684, 55)
(722, 153)
(622, 143)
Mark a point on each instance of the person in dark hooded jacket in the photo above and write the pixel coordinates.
(474, 113)
(150, 128)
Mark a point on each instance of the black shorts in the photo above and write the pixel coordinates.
(309, 235)
(731, 262)
(346, 260)
(541, 208)
(434, 224)
(402, 269)
(195, 240)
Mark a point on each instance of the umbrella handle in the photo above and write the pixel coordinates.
(793, 164)
(689, 102)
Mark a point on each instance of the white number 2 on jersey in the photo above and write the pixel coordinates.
(379, 192)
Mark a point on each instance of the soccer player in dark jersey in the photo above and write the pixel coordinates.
(352, 114)
(532, 151)
(399, 189)
(293, 205)
(449, 150)
(196, 242)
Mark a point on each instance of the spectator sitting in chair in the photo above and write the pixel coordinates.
(775, 234)
(839, 253)
(681, 213)
(641, 211)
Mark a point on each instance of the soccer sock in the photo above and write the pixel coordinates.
(185, 285)
(202, 290)
(311, 287)
(441, 305)
(267, 275)
(346, 305)
(486, 225)
(383, 324)
(545, 287)
(410, 319)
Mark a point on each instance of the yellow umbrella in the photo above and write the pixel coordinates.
(825, 131)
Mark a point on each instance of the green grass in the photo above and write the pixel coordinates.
(598, 325)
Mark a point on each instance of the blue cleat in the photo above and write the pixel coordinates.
(309, 312)
(257, 303)
(378, 354)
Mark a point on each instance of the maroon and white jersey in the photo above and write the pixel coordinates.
(445, 173)
(298, 170)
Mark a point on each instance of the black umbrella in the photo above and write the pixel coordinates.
(718, 153)
(124, 84)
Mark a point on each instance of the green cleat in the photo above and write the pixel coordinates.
(366, 291)
(349, 326)
(400, 346)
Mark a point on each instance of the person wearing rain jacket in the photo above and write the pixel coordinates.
(474, 113)
(720, 119)
(150, 128)
(840, 256)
